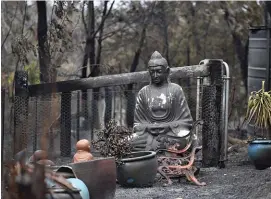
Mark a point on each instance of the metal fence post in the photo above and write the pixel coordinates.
(3, 98)
(211, 114)
(65, 135)
(78, 117)
(35, 136)
(20, 111)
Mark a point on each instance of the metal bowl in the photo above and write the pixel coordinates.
(137, 169)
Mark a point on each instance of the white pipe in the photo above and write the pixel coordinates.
(197, 108)
(222, 124)
(226, 114)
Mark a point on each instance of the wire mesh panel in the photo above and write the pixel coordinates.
(210, 138)
(20, 111)
(57, 121)
(65, 124)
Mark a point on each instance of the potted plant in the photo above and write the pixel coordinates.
(134, 169)
(259, 116)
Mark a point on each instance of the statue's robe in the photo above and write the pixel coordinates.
(82, 156)
(162, 107)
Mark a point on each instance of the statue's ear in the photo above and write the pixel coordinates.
(167, 70)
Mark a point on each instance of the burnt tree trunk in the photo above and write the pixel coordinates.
(165, 30)
(240, 48)
(44, 58)
(130, 94)
(108, 91)
(94, 69)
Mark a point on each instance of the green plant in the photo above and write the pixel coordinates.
(259, 108)
(113, 140)
(33, 73)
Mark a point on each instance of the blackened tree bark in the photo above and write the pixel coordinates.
(91, 57)
(108, 91)
(84, 74)
(240, 48)
(44, 57)
(165, 30)
(268, 7)
(130, 94)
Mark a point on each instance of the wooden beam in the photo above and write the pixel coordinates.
(114, 80)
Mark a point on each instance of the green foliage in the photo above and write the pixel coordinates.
(10, 78)
(259, 108)
(33, 73)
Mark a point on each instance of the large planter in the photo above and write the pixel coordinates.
(259, 152)
(137, 169)
(98, 175)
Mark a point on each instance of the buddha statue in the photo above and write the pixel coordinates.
(161, 109)
(83, 151)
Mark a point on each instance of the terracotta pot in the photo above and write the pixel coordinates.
(138, 169)
(259, 152)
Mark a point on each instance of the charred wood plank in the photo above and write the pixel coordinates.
(114, 80)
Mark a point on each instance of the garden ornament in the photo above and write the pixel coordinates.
(41, 157)
(83, 151)
(161, 109)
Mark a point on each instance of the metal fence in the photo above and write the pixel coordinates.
(57, 120)
(65, 118)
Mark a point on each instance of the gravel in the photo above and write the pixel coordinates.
(239, 180)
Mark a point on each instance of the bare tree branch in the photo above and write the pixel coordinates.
(103, 20)
(25, 7)
(83, 18)
(98, 58)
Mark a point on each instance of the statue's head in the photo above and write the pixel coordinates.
(158, 69)
(83, 145)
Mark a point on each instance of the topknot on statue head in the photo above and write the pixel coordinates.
(157, 60)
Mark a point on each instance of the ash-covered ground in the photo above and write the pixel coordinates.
(239, 180)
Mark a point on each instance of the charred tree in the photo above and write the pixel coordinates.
(130, 93)
(44, 57)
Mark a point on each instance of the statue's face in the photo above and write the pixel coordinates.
(158, 74)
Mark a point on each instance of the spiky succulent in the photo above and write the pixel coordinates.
(259, 108)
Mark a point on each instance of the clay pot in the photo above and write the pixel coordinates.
(41, 157)
(38, 155)
(138, 169)
(259, 152)
(46, 162)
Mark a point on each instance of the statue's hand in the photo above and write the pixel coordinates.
(139, 142)
(158, 129)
